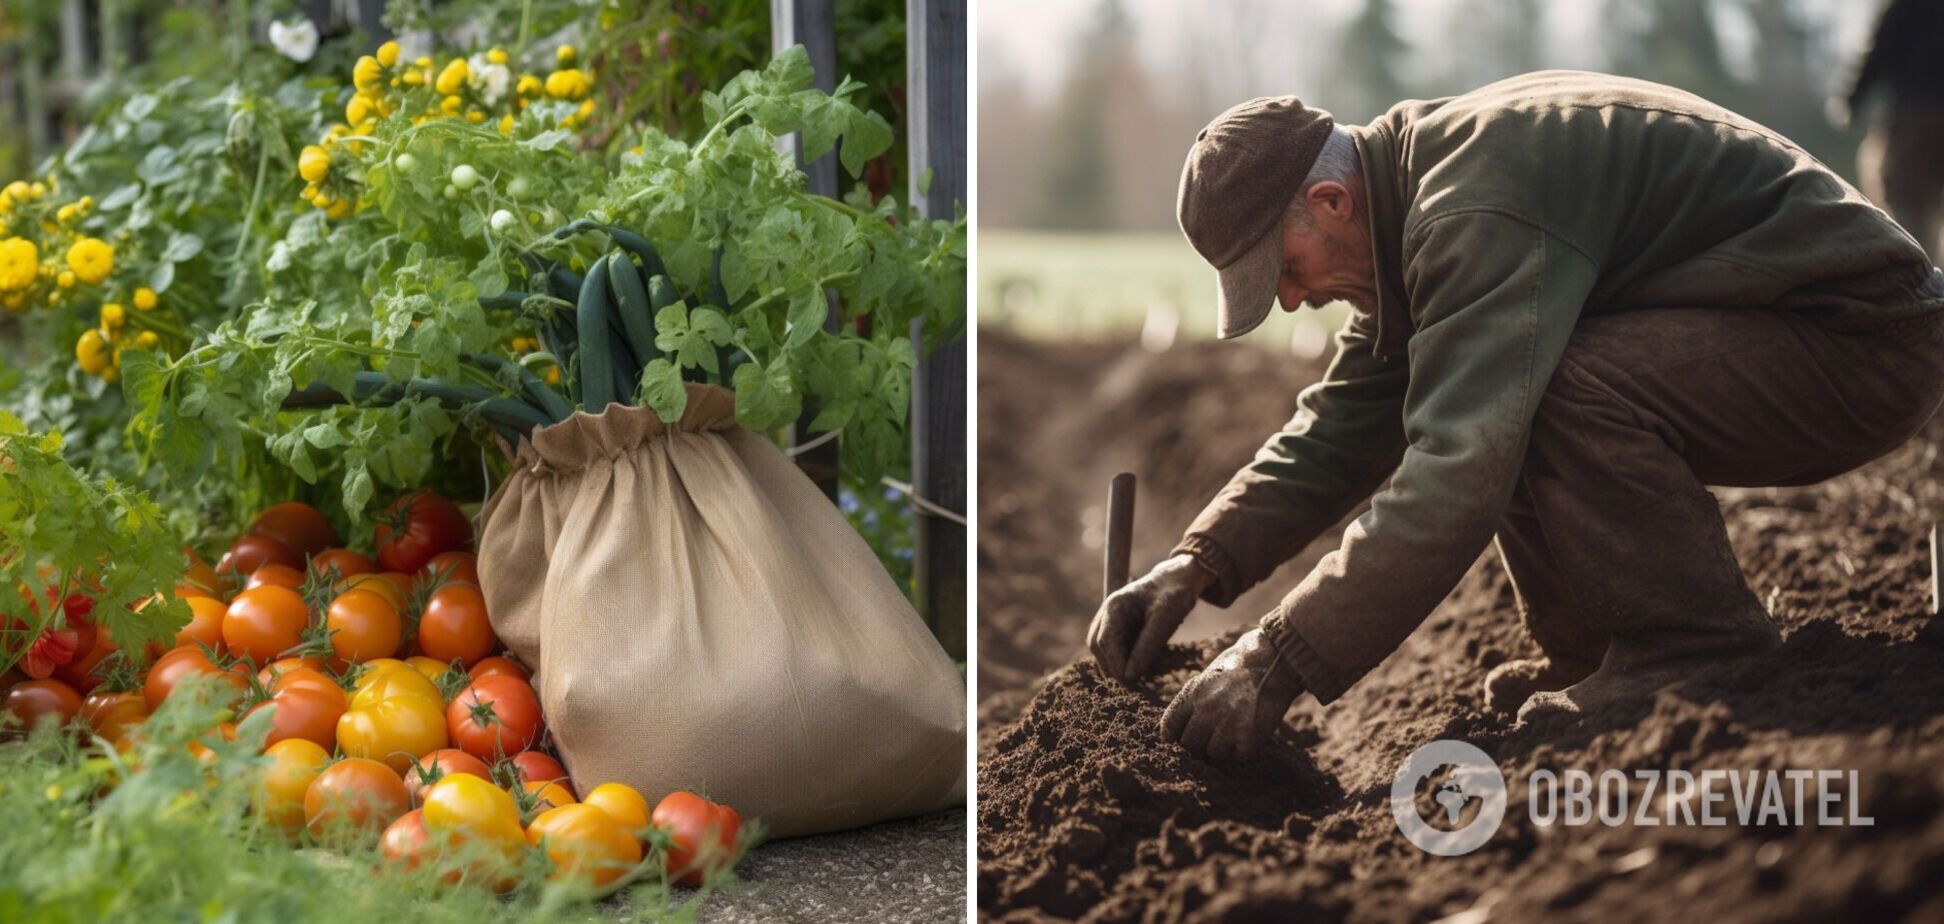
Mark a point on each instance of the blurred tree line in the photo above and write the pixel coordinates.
(1103, 149)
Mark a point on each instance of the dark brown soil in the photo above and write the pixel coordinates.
(1085, 814)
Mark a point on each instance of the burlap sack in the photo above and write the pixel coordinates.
(701, 617)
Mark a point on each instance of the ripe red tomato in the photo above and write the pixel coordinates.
(169, 670)
(354, 793)
(304, 712)
(298, 526)
(445, 567)
(417, 527)
(264, 622)
(342, 562)
(435, 766)
(273, 573)
(540, 767)
(205, 625)
(254, 550)
(702, 835)
(495, 716)
(111, 714)
(364, 626)
(454, 626)
(33, 702)
(499, 664)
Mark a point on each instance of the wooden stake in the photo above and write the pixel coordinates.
(1120, 531)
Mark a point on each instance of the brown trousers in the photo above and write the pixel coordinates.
(1617, 551)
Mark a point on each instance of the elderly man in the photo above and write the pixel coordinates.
(1579, 299)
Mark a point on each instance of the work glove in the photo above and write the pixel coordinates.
(1133, 625)
(1228, 710)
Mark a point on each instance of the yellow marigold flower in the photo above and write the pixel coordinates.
(528, 85)
(66, 213)
(146, 340)
(358, 109)
(19, 262)
(39, 189)
(321, 200)
(366, 73)
(506, 125)
(313, 164)
(309, 192)
(65, 280)
(338, 209)
(570, 83)
(496, 55)
(16, 303)
(144, 299)
(91, 259)
(423, 63)
(19, 191)
(113, 318)
(413, 78)
(451, 105)
(475, 116)
(453, 77)
(564, 54)
(91, 352)
(113, 374)
(586, 109)
(388, 54)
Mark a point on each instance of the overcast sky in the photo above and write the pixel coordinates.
(1033, 38)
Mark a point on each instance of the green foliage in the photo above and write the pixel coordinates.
(64, 532)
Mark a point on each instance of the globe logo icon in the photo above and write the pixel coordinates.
(1462, 783)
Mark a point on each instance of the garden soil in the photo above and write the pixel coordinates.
(1085, 814)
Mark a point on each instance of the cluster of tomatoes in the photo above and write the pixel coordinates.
(391, 713)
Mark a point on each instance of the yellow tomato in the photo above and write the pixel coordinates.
(388, 54)
(432, 668)
(397, 731)
(622, 803)
(464, 804)
(375, 687)
(584, 844)
(549, 794)
(279, 797)
(313, 163)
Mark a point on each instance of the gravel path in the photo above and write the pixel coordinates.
(903, 871)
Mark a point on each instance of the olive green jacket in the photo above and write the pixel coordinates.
(1498, 219)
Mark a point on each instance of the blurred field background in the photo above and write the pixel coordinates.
(1086, 109)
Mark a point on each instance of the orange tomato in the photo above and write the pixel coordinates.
(200, 580)
(271, 672)
(298, 526)
(264, 622)
(499, 664)
(200, 747)
(305, 713)
(205, 625)
(342, 562)
(279, 796)
(169, 670)
(448, 567)
(378, 584)
(702, 835)
(548, 795)
(363, 626)
(436, 765)
(628, 808)
(584, 844)
(455, 627)
(279, 575)
(310, 678)
(354, 793)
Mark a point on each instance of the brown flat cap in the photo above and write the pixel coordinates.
(1241, 175)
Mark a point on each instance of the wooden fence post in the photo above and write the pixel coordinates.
(935, 94)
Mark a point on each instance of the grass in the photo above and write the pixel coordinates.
(1117, 285)
(85, 837)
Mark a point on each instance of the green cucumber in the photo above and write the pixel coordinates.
(591, 326)
(717, 294)
(632, 307)
(537, 393)
(651, 261)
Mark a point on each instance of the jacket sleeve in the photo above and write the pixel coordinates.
(1494, 300)
(1343, 441)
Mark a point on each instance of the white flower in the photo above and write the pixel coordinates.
(489, 80)
(296, 40)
